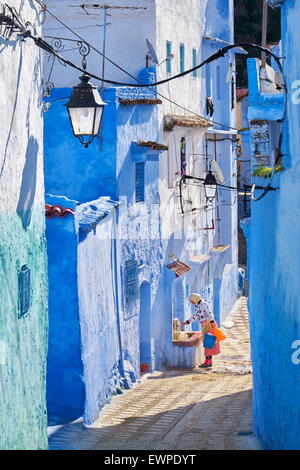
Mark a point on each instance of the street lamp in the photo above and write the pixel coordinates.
(85, 109)
(210, 186)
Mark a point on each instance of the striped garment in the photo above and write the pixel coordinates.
(202, 313)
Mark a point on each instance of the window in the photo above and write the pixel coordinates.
(181, 55)
(194, 62)
(139, 182)
(168, 56)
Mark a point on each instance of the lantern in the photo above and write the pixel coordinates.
(85, 109)
(210, 186)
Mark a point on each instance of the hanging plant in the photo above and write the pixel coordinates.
(266, 171)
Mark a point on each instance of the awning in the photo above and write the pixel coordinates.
(179, 268)
(220, 132)
(151, 145)
(199, 259)
(143, 151)
(133, 102)
(172, 120)
(219, 248)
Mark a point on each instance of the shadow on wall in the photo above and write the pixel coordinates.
(14, 107)
(28, 186)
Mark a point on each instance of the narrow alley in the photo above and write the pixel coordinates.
(179, 409)
(149, 208)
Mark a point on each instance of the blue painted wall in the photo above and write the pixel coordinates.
(274, 272)
(65, 389)
(70, 169)
(103, 345)
(80, 174)
(219, 17)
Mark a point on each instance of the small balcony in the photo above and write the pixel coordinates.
(266, 92)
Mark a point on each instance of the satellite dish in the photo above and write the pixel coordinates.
(152, 52)
(217, 172)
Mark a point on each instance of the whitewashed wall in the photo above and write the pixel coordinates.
(20, 112)
(125, 39)
(181, 23)
(23, 418)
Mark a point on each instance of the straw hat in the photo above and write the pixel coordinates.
(195, 298)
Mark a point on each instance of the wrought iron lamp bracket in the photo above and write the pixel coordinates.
(58, 45)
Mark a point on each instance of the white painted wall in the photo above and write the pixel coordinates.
(125, 39)
(20, 114)
(180, 23)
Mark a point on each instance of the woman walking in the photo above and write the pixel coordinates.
(204, 314)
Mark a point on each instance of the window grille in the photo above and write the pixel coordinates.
(131, 280)
(24, 290)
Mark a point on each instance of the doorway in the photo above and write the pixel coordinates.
(145, 328)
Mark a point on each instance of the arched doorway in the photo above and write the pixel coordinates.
(145, 328)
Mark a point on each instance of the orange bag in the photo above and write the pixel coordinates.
(218, 334)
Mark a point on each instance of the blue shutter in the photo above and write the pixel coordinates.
(182, 65)
(131, 280)
(194, 62)
(24, 290)
(218, 82)
(168, 53)
(139, 182)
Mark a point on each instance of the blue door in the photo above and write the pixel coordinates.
(145, 328)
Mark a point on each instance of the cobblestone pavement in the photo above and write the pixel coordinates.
(179, 409)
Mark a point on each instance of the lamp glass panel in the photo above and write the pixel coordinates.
(210, 191)
(98, 118)
(85, 121)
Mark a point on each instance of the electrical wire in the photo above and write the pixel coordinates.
(49, 49)
(220, 53)
(268, 188)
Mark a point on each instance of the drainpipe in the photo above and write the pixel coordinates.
(115, 264)
(264, 33)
